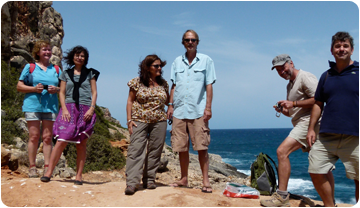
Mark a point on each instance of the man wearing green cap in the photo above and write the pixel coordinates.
(299, 101)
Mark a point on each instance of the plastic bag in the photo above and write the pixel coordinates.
(236, 190)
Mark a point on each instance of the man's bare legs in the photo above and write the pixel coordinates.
(204, 164)
(184, 166)
(324, 185)
(288, 146)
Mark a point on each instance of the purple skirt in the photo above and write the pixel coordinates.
(77, 129)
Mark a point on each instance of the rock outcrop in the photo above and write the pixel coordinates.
(25, 22)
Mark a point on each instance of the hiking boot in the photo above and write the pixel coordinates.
(130, 190)
(33, 172)
(276, 200)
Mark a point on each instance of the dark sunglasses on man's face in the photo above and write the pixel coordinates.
(157, 66)
(192, 40)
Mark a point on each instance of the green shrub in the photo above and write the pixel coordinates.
(118, 136)
(100, 155)
(11, 103)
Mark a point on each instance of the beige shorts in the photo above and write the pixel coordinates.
(299, 133)
(197, 129)
(331, 147)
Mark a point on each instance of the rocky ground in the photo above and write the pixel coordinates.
(106, 189)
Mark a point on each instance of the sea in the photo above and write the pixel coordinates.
(239, 148)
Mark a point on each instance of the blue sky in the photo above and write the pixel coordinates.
(242, 37)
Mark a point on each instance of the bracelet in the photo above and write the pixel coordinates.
(92, 106)
(208, 109)
(294, 104)
(171, 104)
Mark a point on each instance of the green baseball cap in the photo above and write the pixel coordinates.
(280, 60)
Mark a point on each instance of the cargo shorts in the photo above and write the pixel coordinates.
(197, 129)
(299, 133)
(331, 147)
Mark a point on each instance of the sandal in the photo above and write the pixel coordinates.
(205, 189)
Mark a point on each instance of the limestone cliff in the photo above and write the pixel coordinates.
(25, 22)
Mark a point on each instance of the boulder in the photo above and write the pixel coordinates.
(22, 124)
(163, 163)
(40, 161)
(20, 155)
(20, 143)
(18, 62)
(67, 172)
(13, 163)
(5, 156)
(25, 22)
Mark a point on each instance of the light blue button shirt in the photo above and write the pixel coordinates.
(191, 80)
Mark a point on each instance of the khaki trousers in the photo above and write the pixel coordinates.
(144, 152)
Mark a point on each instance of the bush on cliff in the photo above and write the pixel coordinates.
(11, 103)
(100, 155)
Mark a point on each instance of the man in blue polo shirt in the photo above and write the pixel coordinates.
(339, 129)
(193, 75)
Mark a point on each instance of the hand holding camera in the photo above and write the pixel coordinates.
(39, 88)
(279, 108)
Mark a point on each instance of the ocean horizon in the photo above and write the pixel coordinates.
(239, 148)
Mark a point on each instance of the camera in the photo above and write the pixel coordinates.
(46, 87)
(279, 108)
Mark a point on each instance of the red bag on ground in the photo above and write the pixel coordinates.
(236, 190)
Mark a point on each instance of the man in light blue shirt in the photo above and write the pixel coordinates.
(191, 95)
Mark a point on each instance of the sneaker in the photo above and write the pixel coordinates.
(130, 190)
(33, 172)
(276, 200)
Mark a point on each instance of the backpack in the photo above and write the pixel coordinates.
(262, 174)
(28, 80)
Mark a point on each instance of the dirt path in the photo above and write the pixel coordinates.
(19, 191)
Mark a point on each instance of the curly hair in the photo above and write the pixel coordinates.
(69, 58)
(342, 36)
(37, 47)
(144, 72)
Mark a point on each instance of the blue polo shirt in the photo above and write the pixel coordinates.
(41, 102)
(191, 80)
(340, 92)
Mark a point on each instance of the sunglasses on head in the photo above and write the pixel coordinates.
(157, 66)
(192, 40)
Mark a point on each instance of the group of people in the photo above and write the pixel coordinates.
(328, 132)
(75, 122)
(189, 109)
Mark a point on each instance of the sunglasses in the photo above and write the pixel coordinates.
(192, 40)
(157, 66)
